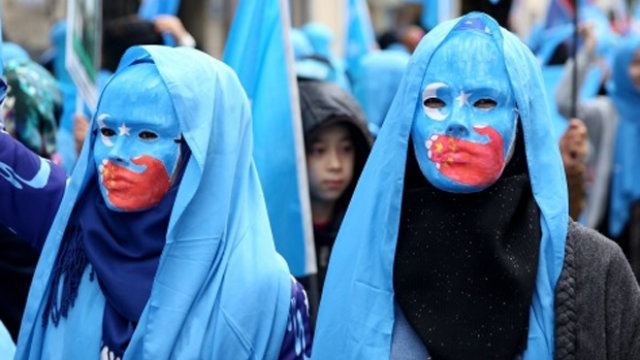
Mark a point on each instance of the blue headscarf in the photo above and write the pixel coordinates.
(356, 315)
(12, 51)
(320, 37)
(376, 81)
(7, 347)
(625, 187)
(220, 287)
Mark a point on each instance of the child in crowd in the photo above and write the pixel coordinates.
(337, 144)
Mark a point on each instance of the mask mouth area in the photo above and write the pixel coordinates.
(129, 190)
(467, 162)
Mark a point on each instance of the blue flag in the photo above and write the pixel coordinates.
(3, 86)
(259, 50)
(152, 8)
(1, 55)
(360, 35)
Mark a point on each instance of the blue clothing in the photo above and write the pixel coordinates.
(625, 187)
(321, 38)
(258, 50)
(405, 343)
(211, 296)
(356, 317)
(7, 347)
(376, 82)
(13, 52)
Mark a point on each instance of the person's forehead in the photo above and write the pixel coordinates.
(138, 97)
(337, 131)
(467, 56)
(152, 121)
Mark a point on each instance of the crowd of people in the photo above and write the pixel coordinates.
(460, 209)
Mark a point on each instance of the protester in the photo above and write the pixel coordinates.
(611, 124)
(321, 39)
(119, 35)
(574, 147)
(159, 246)
(337, 145)
(122, 33)
(31, 112)
(457, 243)
(376, 82)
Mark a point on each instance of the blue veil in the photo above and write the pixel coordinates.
(220, 287)
(625, 187)
(356, 315)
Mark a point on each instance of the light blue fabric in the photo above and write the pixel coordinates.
(405, 343)
(552, 75)
(149, 9)
(551, 39)
(301, 44)
(356, 316)
(12, 51)
(220, 287)
(360, 36)
(306, 65)
(256, 50)
(321, 38)
(66, 144)
(562, 30)
(3, 86)
(625, 186)
(607, 37)
(7, 347)
(376, 82)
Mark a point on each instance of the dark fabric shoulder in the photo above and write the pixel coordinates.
(597, 300)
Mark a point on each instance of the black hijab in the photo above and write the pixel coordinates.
(466, 264)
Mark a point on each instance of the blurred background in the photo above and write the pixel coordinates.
(28, 22)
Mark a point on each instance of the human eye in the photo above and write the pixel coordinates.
(485, 104)
(147, 135)
(434, 103)
(108, 132)
(317, 150)
(346, 147)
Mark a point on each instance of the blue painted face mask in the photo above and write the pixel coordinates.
(464, 129)
(137, 149)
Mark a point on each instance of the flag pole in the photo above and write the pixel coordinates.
(574, 83)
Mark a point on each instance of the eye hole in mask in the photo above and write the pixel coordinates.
(485, 104)
(434, 103)
(147, 135)
(105, 131)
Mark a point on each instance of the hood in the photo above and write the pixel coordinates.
(209, 272)
(361, 265)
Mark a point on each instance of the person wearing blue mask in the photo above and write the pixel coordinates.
(457, 242)
(158, 246)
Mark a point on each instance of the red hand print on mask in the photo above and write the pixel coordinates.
(467, 162)
(129, 190)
